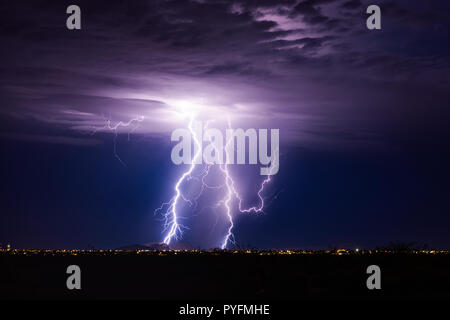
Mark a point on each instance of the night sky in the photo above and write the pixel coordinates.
(363, 115)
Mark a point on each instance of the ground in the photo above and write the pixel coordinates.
(223, 275)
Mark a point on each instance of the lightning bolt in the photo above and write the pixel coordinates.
(171, 216)
(110, 127)
(231, 191)
(226, 201)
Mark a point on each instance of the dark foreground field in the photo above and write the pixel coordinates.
(205, 276)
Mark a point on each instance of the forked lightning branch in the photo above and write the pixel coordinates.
(201, 145)
(198, 145)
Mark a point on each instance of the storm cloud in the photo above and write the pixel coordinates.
(310, 67)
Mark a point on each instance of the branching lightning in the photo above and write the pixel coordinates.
(171, 216)
(170, 213)
(231, 191)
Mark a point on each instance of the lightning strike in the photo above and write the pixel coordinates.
(110, 127)
(232, 191)
(171, 216)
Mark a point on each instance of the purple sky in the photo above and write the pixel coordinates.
(310, 68)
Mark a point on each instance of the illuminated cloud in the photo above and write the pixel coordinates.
(308, 67)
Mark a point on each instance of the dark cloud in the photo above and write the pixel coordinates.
(311, 11)
(231, 52)
(352, 4)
